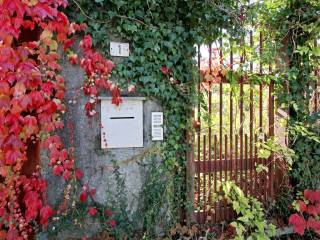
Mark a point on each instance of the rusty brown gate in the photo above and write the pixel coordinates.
(230, 119)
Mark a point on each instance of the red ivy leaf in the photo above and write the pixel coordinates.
(79, 174)
(45, 213)
(4, 101)
(86, 42)
(12, 234)
(4, 88)
(298, 223)
(313, 224)
(73, 58)
(116, 98)
(37, 99)
(165, 70)
(33, 204)
(3, 234)
(312, 196)
(108, 212)
(57, 170)
(67, 175)
(19, 89)
(92, 211)
(43, 10)
(83, 196)
(67, 44)
(12, 156)
(93, 192)
(112, 223)
(30, 126)
(313, 210)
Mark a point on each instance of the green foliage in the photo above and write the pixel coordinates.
(279, 209)
(271, 146)
(305, 171)
(297, 57)
(251, 223)
(164, 33)
(294, 40)
(161, 33)
(154, 206)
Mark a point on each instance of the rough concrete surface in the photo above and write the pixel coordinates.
(97, 164)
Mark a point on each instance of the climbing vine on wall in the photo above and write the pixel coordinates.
(162, 37)
(31, 105)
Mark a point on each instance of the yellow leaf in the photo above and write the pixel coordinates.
(46, 34)
(33, 2)
(53, 45)
(30, 3)
(224, 72)
(208, 78)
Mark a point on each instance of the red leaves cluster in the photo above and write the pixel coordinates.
(165, 70)
(45, 213)
(98, 70)
(84, 194)
(112, 223)
(31, 94)
(92, 211)
(309, 211)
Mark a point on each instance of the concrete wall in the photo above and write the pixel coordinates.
(96, 163)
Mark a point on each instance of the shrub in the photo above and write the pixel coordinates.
(250, 223)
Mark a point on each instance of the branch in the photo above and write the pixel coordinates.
(108, 21)
(86, 15)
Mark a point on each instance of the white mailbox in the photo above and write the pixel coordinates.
(122, 126)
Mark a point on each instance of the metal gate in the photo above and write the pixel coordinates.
(230, 120)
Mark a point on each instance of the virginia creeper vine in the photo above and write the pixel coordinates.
(31, 104)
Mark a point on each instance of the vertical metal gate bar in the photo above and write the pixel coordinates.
(215, 176)
(198, 138)
(257, 183)
(241, 135)
(242, 59)
(252, 185)
(226, 177)
(266, 178)
(210, 112)
(226, 171)
(236, 157)
(221, 126)
(271, 134)
(231, 120)
(261, 161)
(204, 173)
(246, 164)
(220, 139)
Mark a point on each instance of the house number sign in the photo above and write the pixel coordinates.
(118, 49)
